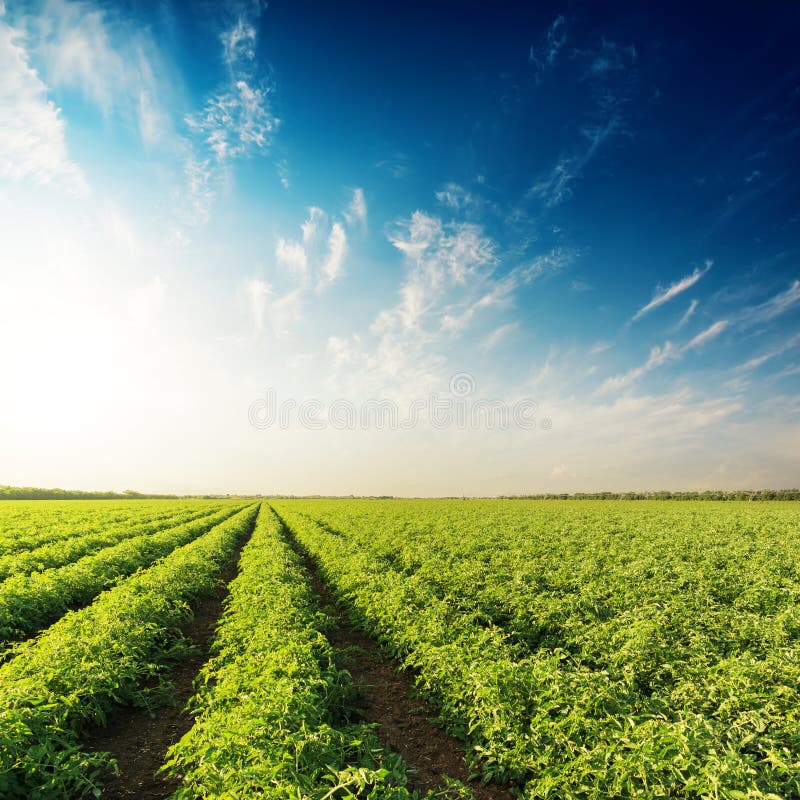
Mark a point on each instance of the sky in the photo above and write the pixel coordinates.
(415, 249)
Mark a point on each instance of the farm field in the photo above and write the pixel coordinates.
(564, 649)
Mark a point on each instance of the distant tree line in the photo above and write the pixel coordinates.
(742, 494)
(32, 493)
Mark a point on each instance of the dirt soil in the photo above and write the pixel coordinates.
(139, 741)
(389, 698)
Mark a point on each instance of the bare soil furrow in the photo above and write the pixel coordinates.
(137, 739)
(388, 697)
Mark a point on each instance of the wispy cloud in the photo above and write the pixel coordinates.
(439, 257)
(599, 347)
(448, 282)
(660, 356)
(236, 121)
(711, 332)
(312, 226)
(788, 372)
(239, 43)
(397, 165)
(292, 255)
(543, 55)
(757, 361)
(454, 196)
(610, 92)
(687, 315)
(665, 295)
(32, 136)
(774, 307)
(546, 264)
(305, 268)
(356, 213)
(113, 64)
(333, 266)
(498, 335)
(556, 187)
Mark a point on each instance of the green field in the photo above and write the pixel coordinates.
(575, 649)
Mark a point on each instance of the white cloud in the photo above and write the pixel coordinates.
(556, 187)
(281, 311)
(499, 294)
(498, 335)
(316, 220)
(454, 196)
(711, 332)
(292, 255)
(546, 264)
(439, 258)
(282, 166)
(791, 370)
(774, 307)
(32, 137)
(114, 65)
(356, 213)
(239, 42)
(305, 269)
(757, 361)
(599, 347)
(559, 471)
(665, 295)
(658, 356)
(397, 165)
(448, 279)
(688, 314)
(333, 266)
(152, 119)
(77, 49)
(236, 121)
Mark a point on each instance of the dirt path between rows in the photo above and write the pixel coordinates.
(389, 698)
(139, 741)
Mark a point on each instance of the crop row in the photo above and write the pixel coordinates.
(29, 602)
(59, 553)
(271, 709)
(717, 582)
(569, 723)
(25, 517)
(89, 661)
(35, 531)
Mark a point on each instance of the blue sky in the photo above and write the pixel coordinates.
(597, 210)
